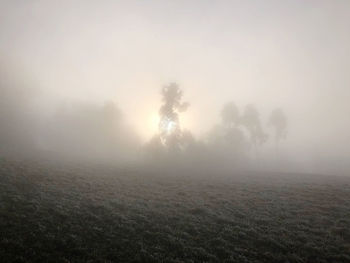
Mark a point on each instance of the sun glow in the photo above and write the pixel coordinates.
(168, 126)
(147, 124)
(153, 123)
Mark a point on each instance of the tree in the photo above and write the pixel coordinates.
(232, 136)
(230, 115)
(251, 120)
(227, 141)
(169, 124)
(278, 121)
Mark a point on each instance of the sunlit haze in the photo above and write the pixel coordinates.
(175, 131)
(290, 54)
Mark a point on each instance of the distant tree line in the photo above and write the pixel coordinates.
(240, 131)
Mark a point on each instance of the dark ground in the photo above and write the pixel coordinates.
(67, 213)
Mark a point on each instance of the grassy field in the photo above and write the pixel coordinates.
(69, 213)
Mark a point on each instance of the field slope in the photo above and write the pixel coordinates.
(70, 213)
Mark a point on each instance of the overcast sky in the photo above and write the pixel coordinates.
(289, 54)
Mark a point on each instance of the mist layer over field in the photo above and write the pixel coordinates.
(84, 78)
(174, 131)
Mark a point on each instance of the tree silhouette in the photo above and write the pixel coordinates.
(231, 119)
(251, 120)
(226, 141)
(278, 121)
(230, 115)
(169, 124)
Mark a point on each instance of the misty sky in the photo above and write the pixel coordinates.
(289, 54)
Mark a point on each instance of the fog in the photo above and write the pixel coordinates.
(82, 80)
